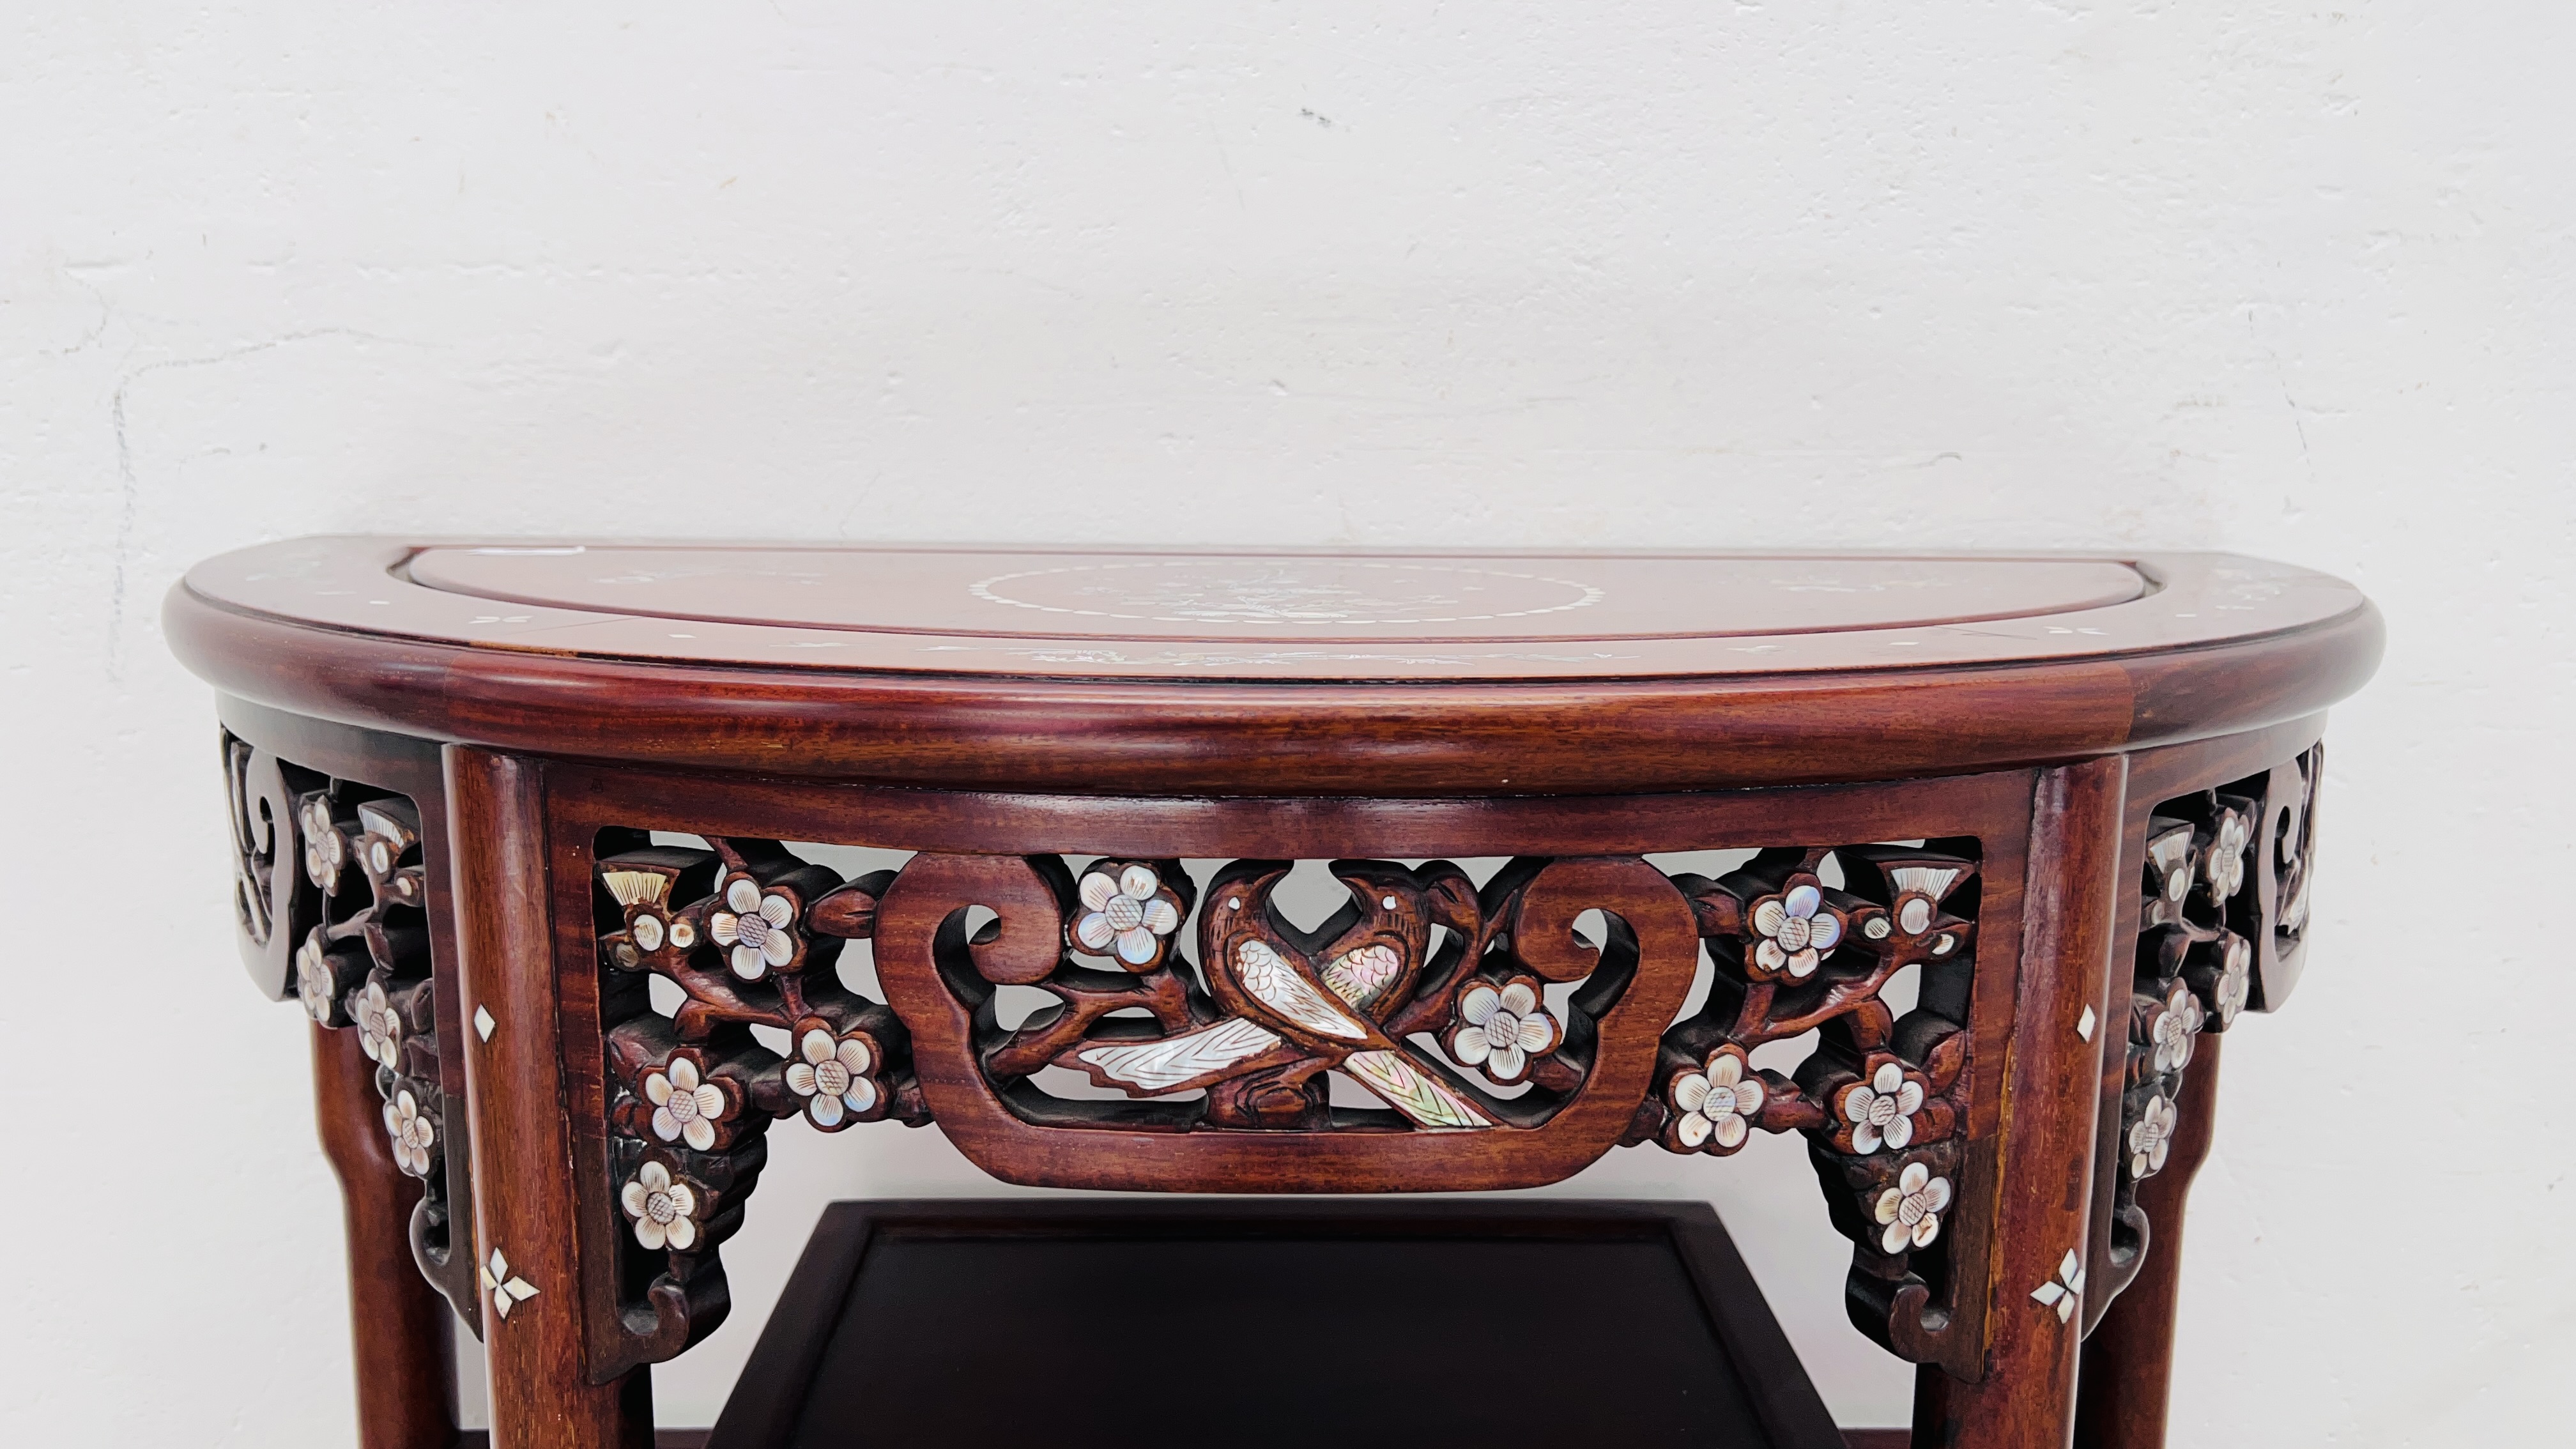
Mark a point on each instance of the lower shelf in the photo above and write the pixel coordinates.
(696, 1439)
(1253, 1323)
(661, 1439)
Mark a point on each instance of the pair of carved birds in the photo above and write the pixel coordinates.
(1300, 1003)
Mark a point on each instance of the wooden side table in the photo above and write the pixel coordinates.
(519, 826)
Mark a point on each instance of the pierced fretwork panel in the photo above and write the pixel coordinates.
(1432, 1026)
(1425, 997)
(330, 882)
(747, 935)
(1882, 1099)
(2200, 919)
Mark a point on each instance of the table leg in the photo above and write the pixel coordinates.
(2043, 1194)
(399, 1328)
(2128, 1362)
(524, 1208)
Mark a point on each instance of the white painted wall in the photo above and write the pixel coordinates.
(2284, 279)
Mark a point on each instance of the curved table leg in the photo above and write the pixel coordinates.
(2128, 1362)
(399, 1328)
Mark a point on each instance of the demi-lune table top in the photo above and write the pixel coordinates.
(1283, 671)
(544, 836)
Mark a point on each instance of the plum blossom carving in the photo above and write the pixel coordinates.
(1795, 929)
(663, 1209)
(1128, 912)
(1717, 1102)
(2151, 1137)
(317, 985)
(412, 1132)
(2235, 979)
(326, 851)
(1501, 1029)
(757, 928)
(1911, 1210)
(380, 1028)
(2176, 1026)
(686, 1107)
(1881, 1110)
(2227, 855)
(1919, 890)
(651, 933)
(831, 1074)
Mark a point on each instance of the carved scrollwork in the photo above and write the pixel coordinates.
(330, 884)
(1179, 1006)
(1429, 996)
(2287, 852)
(255, 829)
(2294, 844)
(274, 904)
(1881, 1099)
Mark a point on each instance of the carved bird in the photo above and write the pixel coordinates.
(1300, 1002)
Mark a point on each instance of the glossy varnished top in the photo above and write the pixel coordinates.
(1368, 672)
(1261, 615)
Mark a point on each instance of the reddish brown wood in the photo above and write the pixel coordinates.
(2026, 1398)
(1458, 827)
(886, 710)
(2165, 783)
(398, 1325)
(1004, 1143)
(661, 1439)
(1253, 596)
(524, 1198)
(1725, 717)
(1993, 808)
(2126, 1386)
(585, 798)
(585, 802)
(1261, 613)
(318, 754)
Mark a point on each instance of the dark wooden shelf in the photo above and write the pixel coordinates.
(1250, 1324)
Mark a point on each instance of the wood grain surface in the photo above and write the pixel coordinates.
(2220, 644)
(2031, 726)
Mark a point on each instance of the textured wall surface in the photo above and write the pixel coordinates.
(2289, 280)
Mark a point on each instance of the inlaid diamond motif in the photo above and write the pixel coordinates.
(484, 1025)
(2063, 1291)
(507, 1289)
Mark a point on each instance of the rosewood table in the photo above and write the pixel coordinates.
(544, 837)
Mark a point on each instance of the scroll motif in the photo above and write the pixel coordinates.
(1435, 1001)
(1445, 1010)
(255, 837)
(274, 905)
(2287, 851)
(2295, 844)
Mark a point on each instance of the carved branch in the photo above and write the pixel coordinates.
(331, 886)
